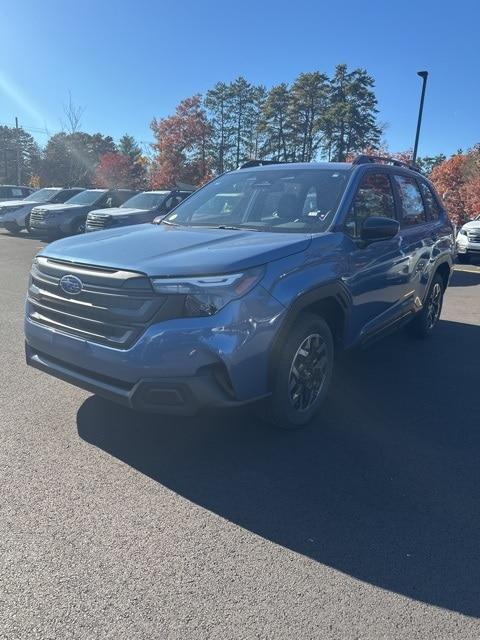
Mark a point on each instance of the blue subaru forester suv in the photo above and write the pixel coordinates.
(246, 290)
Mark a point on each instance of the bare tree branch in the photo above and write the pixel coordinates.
(73, 113)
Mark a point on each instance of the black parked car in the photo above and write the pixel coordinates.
(143, 207)
(68, 219)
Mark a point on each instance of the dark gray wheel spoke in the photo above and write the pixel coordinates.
(434, 305)
(307, 372)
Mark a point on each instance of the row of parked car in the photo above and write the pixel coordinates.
(54, 212)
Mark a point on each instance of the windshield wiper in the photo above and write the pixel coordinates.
(232, 228)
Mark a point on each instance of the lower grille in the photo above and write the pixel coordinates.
(113, 307)
(98, 221)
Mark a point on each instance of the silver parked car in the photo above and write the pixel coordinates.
(15, 214)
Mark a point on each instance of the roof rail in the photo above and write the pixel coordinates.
(365, 159)
(259, 163)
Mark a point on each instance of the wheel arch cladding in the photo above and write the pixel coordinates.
(330, 302)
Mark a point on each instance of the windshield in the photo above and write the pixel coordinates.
(43, 195)
(146, 200)
(87, 197)
(283, 200)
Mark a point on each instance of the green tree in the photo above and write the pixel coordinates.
(129, 147)
(428, 163)
(218, 102)
(137, 173)
(245, 115)
(351, 121)
(276, 123)
(309, 102)
(70, 159)
(19, 156)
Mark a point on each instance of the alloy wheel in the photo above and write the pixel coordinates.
(308, 372)
(434, 305)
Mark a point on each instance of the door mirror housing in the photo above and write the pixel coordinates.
(379, 228)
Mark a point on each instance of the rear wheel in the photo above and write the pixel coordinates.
(302, 374)
(426, 320)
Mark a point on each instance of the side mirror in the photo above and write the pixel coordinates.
(378, 228)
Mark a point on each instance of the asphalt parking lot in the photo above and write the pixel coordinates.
(367, 525)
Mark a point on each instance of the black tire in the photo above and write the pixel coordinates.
(426, 320)
(297, 397)
(463, 258)
(78, 227)
(12, 228)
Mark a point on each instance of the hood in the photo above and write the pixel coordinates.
(118, 211)
(61, 207)
(161, 250)
(474, 224)
(6, 204)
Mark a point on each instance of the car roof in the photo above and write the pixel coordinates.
(16, 186)
(300, 165)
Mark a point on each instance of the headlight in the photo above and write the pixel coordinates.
(205, 295)
(462, 232)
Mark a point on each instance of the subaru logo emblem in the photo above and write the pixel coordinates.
(71, 284)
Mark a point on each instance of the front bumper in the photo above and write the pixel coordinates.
(222, 360)
(469, 247)
(175, 395)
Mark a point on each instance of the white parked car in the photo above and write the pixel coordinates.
(468, 240)
(15, 214)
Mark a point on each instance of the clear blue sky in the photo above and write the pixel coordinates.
(128, 61)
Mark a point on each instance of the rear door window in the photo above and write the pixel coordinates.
(413, 211)
(431, 205)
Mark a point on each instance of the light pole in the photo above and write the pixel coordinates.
(424, 76)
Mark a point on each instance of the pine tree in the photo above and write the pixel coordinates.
(218, 101)
(350, 124)
(276, 124)
(17, 147)
(309, 95)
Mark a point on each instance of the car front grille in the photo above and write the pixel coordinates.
(37, 215)
(98, 221)
(474, 236)
(114, 307)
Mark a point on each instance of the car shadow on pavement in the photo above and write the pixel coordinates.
(23, 236)
(385, 487)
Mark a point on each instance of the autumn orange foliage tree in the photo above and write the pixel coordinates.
(448, 179)
(112, 171)
(181, 145)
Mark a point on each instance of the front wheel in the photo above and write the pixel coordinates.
(302, 373)
(28, 228)
(426, 320)
(78, 227)
(463, 258)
